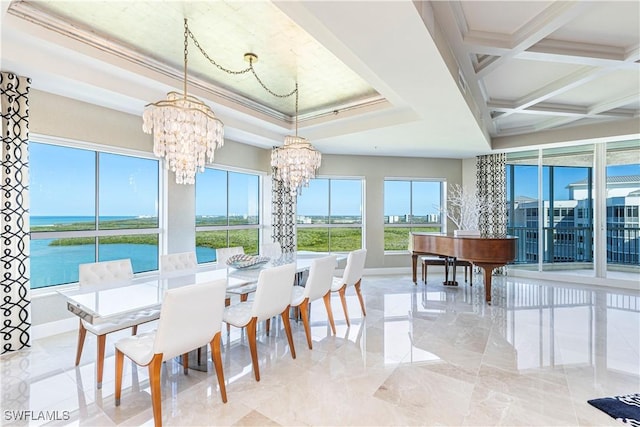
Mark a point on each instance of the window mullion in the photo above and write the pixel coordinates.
(97, 205)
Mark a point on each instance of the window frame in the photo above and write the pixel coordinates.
(328, 225)
(442, 225)
(258, 226)
(98, 233)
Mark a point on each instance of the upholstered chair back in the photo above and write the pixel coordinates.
(178, 261)
(190, 317)
(272, 250)
(273, 292)
(223, 254)
(355, 267)
(320, 277)
(106, 271)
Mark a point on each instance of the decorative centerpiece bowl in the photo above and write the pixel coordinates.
(246, 261)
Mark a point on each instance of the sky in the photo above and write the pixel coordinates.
(62, 183)
(526, 179)
(211, 193)
(346, 198)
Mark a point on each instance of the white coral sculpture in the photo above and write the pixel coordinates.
(464, 207)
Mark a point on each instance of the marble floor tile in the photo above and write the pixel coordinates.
(423, 355)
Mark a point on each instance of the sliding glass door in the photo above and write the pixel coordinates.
(623, 201)
(576, 209)
(567, 195)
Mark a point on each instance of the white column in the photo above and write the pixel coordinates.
(600, 210)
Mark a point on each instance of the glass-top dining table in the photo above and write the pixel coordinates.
(108, 302)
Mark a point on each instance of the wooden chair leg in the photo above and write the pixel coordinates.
(343, 299)
(82, 333)
(268, 325)
(304, 311)
(287, 329)
(359, 293)
(185, 363)
(327, 304)
(244, 297)
(253, 347)
(227, 303)
(216, 355)
(154, 380)
(102, 339)
(119, 367)
(134, 330)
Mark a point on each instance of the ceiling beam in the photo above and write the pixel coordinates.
(545, 23)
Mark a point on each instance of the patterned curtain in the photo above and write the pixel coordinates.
(491, 178)
(16, 295)
(283, 215)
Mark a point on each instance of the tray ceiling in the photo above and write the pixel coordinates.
(433, 79)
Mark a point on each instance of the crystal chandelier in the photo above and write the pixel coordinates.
(185, 130)
(296, 161)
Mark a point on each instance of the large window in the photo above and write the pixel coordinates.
(86, 206)
(329, 215)
(227, 212)
(410, 205)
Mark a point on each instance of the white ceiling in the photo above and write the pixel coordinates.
(430, 79)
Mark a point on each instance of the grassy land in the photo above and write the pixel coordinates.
(309, 239)
(122, 224)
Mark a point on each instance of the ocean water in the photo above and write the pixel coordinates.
(51, 220)
(55, 265)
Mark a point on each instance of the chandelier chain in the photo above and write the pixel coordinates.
(189, 33)
(186, 54)
(277, 95)
(220, 67)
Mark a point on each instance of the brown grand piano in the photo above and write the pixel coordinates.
(485, 252)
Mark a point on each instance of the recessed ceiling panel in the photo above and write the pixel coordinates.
(225, 30)
(502, 17)
(519, 78)
(604, 23)
(610, 87)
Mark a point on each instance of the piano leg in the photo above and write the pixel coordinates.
(414, 266)
(488, 269)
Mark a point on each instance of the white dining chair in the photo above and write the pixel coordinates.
(181, 262)
(271, 250)
(352, 277)
(318, 286)
(178, 262)
(223, 254)
(190, 317)
(108, 273)
(272, 298)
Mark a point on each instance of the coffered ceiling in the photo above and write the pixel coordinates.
(432, 79)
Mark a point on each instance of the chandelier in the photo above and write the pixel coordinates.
(185, 130)
(296, 161)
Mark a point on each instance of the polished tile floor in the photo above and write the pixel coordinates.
(422, 356)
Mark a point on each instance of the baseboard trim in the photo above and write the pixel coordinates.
(567, 278)
(54, 328)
